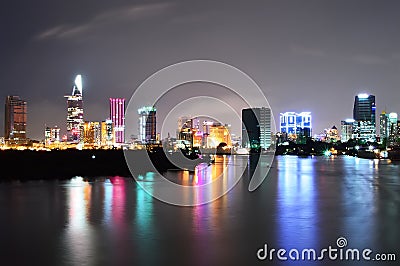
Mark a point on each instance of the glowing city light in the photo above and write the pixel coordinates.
(371, 148)
(78, 83)
(393, 116)
(363, 96)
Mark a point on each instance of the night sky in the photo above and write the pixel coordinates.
(306, 55)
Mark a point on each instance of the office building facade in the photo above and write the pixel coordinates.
(147, 124)
(296, 124)
(117, 114)
(256, 128)
(364, 115)
(52, 135)
(92, 133)
(346, 129)
(15, 120)
(75, 121)
(107, 133)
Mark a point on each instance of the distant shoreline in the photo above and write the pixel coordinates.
(27, 164)
(66, 164)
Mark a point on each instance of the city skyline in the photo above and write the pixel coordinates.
(117, 115)
(312, 56)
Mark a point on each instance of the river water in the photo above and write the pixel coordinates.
(304, 203)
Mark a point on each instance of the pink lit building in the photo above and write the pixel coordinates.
(117, 115)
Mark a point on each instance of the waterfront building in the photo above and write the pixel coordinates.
(364, 131)
(52, 135)
(393, 120)
(55, 134)
(203, 133)
(256, 128)
(393, 129)
(364, 114)
(296, 126)
(147, 124)
(346, 128)
(107, 133)
(182, 122)
(218, 134)
(332, 135)
(75, 112)
(398, 127)
(15, 120)
(364, 107)
(92, 133)
(47, 135)
(184, 131)
(384, 127)
(117, 114)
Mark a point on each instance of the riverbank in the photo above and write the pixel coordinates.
(61, 164)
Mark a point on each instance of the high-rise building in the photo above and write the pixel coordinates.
(182, 121)
(364, 108)
(147, 124)
(393, 120)
(384, 126)
(75, 112)
(52, 135)
(296, 124)
(55, 134)
(218, 134)
(388, 125)
(117, 114)
(398, 128)
(256, 128)
(346, 127)
(185, 129)
(92, 133)
(47, 135)
(107, 133)
(332, 135)
(15, 119)
(364, 114)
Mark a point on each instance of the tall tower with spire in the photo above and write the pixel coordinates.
(75, 112)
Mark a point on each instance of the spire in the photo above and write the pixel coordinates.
(77, 88)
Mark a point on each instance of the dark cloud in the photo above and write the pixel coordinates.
(114, 16)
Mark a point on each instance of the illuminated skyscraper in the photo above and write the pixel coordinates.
(296, 124)
(51, 135)
(117, 114)
(147, 124)
(346, 127)
(92, 133)
(364, 115)
(384, 125)
(218, 134)
(75, 112)
(388, 127)
(15, 119)
(364, 108)
(256, 128)
(183, 122)
(332, 135)
(107, 133)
